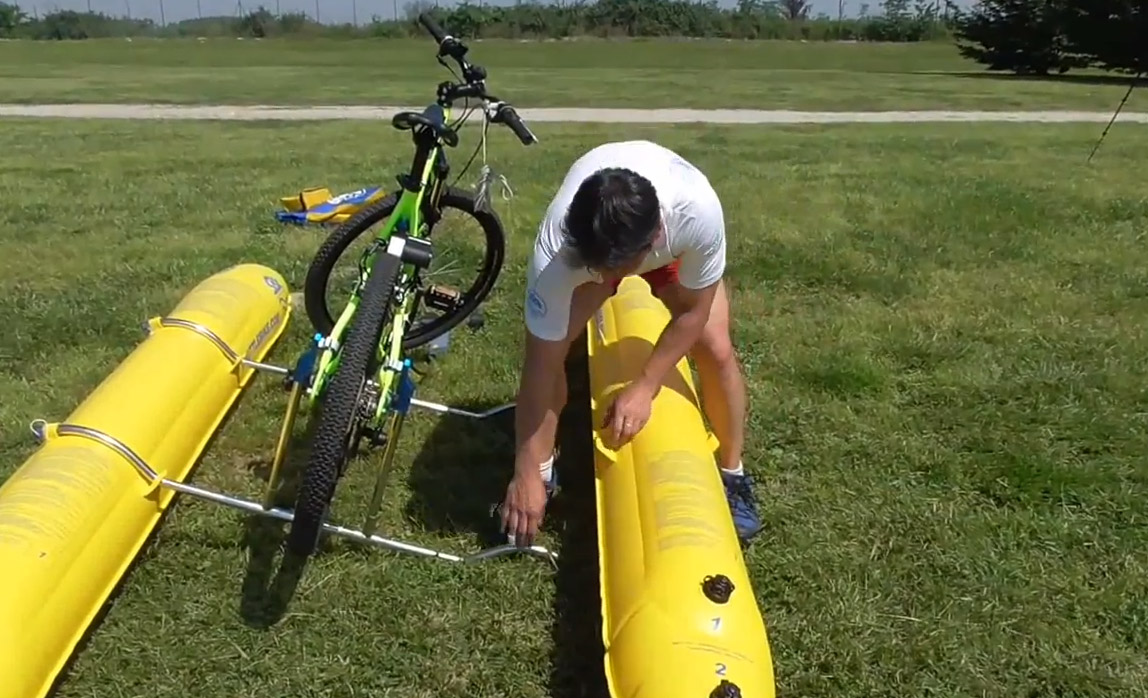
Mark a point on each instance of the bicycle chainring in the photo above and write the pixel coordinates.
(368, 404)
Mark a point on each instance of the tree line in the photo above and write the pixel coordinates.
(1034, 37)
(885, 20)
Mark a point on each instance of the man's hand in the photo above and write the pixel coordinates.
(524, 507)
(630, 411)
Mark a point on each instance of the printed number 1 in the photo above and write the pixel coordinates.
(717, 623)
(719, 669)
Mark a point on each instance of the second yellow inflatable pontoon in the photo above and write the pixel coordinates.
(76, 513)
(679, 616)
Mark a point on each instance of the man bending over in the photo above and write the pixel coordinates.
(627, 208)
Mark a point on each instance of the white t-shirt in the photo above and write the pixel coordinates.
(694, 231)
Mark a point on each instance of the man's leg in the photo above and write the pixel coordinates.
(723, 397)
(722, 385)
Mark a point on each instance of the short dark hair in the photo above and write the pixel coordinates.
(612, 217)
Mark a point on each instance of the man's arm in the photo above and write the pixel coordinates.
(679, 336)
(535, 414)
(702, 265)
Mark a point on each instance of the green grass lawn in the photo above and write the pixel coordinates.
(944, 333)
(585, 73)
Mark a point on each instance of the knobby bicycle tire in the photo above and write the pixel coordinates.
(318, 274)
(340, 405)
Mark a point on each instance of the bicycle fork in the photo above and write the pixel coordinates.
(400, 406)
(299, 379)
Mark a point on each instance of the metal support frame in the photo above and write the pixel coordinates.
(40, 429)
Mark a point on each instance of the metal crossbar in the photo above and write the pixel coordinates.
(266, 508)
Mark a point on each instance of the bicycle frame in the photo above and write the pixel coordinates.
(421, 189)
(388, 388)
(415, 214)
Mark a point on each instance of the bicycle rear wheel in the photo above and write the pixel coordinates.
(322, 314)
(339, 414)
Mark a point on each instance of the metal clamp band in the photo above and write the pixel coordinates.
(199, 329)
(40, 429)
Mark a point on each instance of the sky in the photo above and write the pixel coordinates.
(329, 10)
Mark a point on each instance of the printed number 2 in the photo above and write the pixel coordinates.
(719, 669)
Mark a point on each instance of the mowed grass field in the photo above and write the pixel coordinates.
(582, 73)
(943, 328)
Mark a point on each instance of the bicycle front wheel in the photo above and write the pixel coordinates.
(340, 409)
(475, 284)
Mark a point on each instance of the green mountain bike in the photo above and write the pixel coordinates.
(356, 370)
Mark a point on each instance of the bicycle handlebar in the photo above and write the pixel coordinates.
(507, 115)
(474, 77)
(432, 26)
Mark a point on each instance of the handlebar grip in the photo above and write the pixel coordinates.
(432, 26)
(511, 118)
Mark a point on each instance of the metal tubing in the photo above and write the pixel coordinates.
(268, 368)
(392, 431)
(39, 427)
(285, 515)
(511, 549)
(359, 536)
(444, 409)
(281, 447)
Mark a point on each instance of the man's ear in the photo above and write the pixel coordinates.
(659, 234)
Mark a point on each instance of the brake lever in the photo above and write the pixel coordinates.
(450, 46)
(499, 112)
(493, 107)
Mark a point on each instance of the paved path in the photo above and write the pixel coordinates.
(650, 116)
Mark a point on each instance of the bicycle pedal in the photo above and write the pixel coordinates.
(442, 298)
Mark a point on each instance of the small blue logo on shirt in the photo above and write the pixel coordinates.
(534, 303)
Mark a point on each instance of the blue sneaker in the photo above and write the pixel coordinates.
(742, 505)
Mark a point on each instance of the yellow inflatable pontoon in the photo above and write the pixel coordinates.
(77, 512)
(679, 617)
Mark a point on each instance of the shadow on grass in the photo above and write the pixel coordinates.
(266, 591)
(462, 472)
(265, 594)
(576, 663)
(1066, 78)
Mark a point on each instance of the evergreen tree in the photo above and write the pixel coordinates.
(1113, 33)
(1023, 36)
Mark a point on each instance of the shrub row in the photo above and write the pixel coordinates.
(749, 19)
